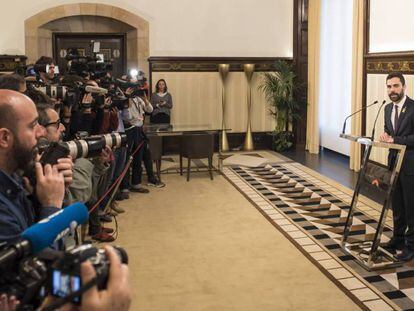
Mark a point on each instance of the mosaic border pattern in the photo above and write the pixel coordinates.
(377, 290)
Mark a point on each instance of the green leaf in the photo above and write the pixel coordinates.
(279, 88)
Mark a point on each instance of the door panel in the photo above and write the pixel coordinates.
(112, 46)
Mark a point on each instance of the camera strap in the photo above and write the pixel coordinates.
(69, 298)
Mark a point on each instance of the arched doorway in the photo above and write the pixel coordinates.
(85, 17)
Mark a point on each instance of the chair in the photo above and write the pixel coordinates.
(197, 146)
(155, 146)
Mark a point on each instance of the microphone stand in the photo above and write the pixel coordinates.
(359, 110)
(376, 118)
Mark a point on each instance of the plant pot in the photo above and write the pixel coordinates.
(282, 141)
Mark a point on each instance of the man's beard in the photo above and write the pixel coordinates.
(396, 97)
(24, 157)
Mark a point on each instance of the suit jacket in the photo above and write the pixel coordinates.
(404, 134)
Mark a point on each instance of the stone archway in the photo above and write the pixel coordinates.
(138, 43)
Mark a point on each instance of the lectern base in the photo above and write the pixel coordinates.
(380, 259)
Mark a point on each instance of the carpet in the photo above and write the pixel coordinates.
(311, 211)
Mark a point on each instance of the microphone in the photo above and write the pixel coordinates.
(359, 110)
(46, 232)
(376, 118)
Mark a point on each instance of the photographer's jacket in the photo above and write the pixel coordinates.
(17, 211)
(134, 115)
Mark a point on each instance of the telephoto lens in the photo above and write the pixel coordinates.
(115, 140)
(53, 91)
(92, 146)
(86, 148)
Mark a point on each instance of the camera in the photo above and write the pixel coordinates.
(136, 86)
(92, 146)
(87, 65)
(118, 99)
(65, 279)
(31, 278)
(54, 91)
(88, 147)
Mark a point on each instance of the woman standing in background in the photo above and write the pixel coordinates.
(162, 103)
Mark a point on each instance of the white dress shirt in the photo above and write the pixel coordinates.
(400, 105)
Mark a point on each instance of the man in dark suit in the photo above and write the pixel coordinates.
(399, 129)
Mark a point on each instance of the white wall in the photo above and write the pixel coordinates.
(183, 27)
(391, 25)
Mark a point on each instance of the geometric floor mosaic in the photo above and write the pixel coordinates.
(312, 214)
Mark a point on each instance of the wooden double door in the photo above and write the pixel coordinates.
(112, 48)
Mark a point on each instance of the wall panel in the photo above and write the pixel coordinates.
(197, 100)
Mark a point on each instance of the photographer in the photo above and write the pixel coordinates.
(19, 132)
(45, 67)
(133, 118)
(84, 180)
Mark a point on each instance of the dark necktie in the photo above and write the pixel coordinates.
(395, 117)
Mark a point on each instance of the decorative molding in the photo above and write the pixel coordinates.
(403, 66)
(9, 63)
(210, 64)
(387, 62)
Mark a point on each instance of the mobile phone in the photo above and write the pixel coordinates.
(64, 284)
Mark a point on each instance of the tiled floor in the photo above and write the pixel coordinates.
(310, 227)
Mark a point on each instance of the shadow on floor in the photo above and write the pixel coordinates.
(331, 164)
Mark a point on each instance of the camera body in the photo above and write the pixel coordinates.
(65, 278)
(86, 65)
(136, 86)
(31, 278)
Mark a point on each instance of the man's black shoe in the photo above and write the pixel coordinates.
(393, 245)
(406, 255)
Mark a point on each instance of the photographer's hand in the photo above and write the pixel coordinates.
(129, 91)
(108, 101)
(65, 166)
(86, 102)
(50, 185)
(117, 296)
(105, 156)
(8, 304)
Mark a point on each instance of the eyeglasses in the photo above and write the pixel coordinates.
(55, 124)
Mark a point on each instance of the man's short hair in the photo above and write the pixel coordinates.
(396, 75)
(11, 82)
(42, 112)
(8, 117)
(44, 60)
(38, 97)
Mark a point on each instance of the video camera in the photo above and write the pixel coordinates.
(83, 66)
(136, 86)
(70, 93)
(88, 147)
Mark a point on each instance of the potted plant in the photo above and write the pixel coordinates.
(279, 88)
